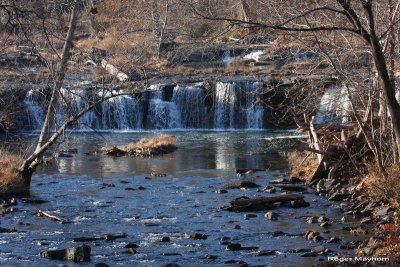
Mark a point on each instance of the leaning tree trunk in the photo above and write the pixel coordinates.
(28, 166)
(388, 86)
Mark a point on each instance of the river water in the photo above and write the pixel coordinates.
(96, 195)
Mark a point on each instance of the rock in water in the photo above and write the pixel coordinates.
(76, 254)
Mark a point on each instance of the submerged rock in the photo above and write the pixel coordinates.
(243, 184)
(210, 257)
(76, 254)
(131, 245)
(198, 236)
(273, 216)
(132, 251)
(221, 191)
(248, 216)
(165, 239)
(266, 253)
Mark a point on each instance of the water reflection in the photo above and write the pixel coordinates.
(196, 150)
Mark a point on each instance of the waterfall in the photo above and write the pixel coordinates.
(35, 112)
(72, 101)
(121, 112)
(230, 105)
(254, 110)
(334, 108)
(236, 106)
(225, 99)
(190, 104)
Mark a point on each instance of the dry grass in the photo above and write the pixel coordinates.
(301, 164)
(159, 141)
(145, 147)
(384, 188)
(10, 180)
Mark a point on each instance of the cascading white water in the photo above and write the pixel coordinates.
(189, 101)
(36, 115)
(121, 112)
(334, 107)
(237, 107)
(72, 102)
(164, 115)
(225, 98)
(254, 110)
(233, 106)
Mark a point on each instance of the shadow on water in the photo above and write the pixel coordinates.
(99, 195)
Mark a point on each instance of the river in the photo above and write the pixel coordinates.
(95, 195)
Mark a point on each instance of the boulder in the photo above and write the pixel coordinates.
(325, 185)
(273, 216)
(76, 254)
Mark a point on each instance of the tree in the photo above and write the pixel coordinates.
(42, 21)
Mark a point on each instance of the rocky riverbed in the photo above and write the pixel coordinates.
(153, 212)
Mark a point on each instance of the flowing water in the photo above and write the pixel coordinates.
(232, 105)
(96, 195)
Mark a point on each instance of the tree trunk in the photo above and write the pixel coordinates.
(28, 166)
(163, 29)
(245, 9)
(388, 87)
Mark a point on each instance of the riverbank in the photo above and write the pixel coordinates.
(366, 195)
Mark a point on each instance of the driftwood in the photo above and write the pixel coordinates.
(321, 171)
(246, 170)
(315, 138)
(41, 213)
(260, 203)
(320, 151)
(291, 187)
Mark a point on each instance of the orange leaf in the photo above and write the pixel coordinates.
(288, 192)
(258, 99)
(94, 11)
(241, 32)
(388, 227)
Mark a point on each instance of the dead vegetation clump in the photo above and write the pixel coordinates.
(385, 188)
(145, 147)
(302, 164)
(10, 179)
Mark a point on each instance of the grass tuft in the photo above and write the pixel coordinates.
(11, 181)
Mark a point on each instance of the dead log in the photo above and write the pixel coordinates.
(122, 77)
(291, 187)
(266, 200)
(315, 137)
(245, 170)
(41, 213)
(320, 151)
(321, 171)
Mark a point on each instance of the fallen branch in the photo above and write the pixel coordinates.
(41, 213)
(320, 151)
(260, 203)
(266, 200)
(291, 187)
